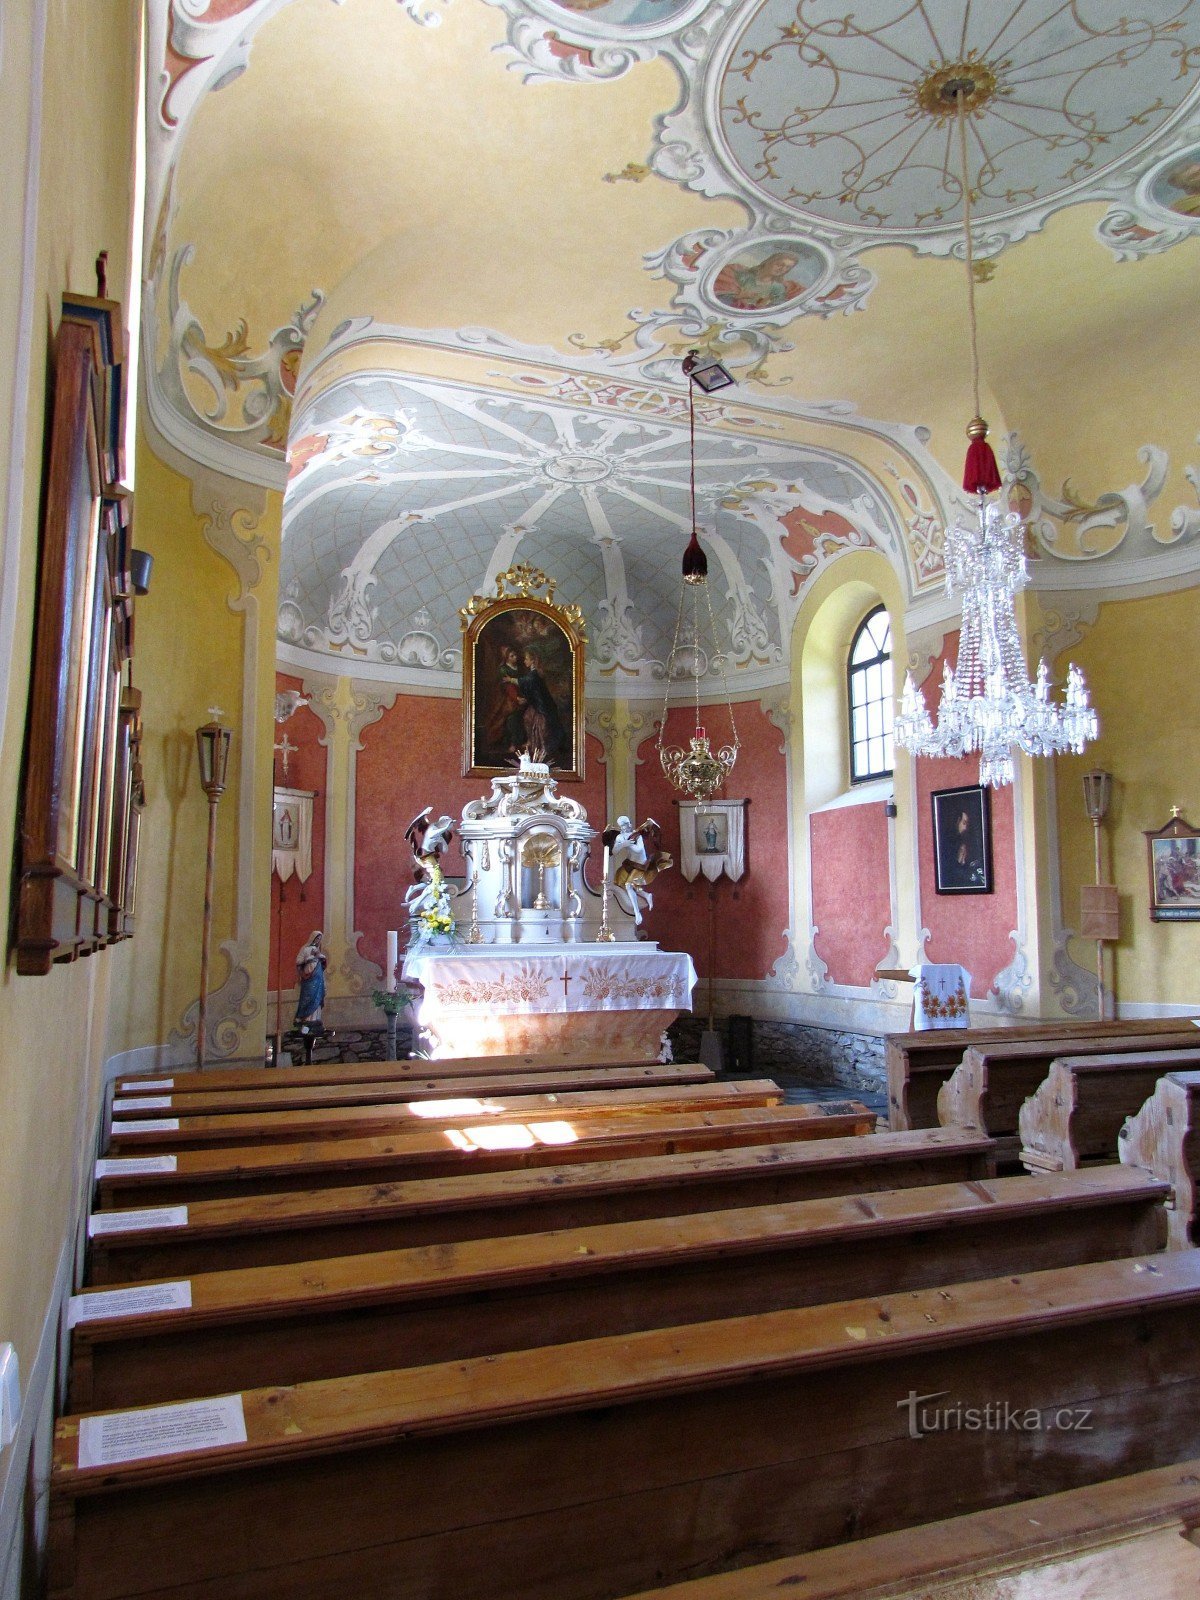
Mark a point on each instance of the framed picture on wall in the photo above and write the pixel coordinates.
(1174, 871)
(962, 840)
(522, 678)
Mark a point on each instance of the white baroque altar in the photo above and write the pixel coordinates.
(529, 969)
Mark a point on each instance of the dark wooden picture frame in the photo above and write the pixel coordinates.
(1174, 862)
(962, 840)
(522, 665)
(82, 795)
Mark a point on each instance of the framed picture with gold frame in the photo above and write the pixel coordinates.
(522, 669)
(1174, 870)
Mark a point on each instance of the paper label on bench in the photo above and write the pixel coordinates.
(139, 1301)
(161, 1431)
(142, 1102)
(140, 1085)
(101, 1222)
(149, 1125)
(133, 1166)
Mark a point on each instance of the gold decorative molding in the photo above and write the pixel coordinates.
(523, 582)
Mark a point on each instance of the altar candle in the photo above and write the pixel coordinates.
(393, 956)
(606, 863)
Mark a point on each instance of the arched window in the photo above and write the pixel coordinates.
(869, 694)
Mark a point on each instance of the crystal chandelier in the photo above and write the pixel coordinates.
(988, 705)
(697, 770)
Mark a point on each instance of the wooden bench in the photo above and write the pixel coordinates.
(260, 1230)
(219, 1080)
(587, 1471)
(992, 1082)
(1131, 1537)
(919, 1063)
(147, 1131)
(382, 1092)
(1078, 1112)
(1162, 1139)
(173, 1178)
(404, 1308)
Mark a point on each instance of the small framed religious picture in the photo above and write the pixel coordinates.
(1174, 870)
(522, 678)
(962, 840)
(712, 839)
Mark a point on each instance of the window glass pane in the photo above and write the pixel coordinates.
(869, 693)
(859, 730)
(864, 647)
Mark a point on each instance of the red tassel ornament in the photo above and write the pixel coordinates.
(981, 475)
(695, 562)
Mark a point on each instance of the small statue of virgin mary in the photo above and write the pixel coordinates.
(311, 962)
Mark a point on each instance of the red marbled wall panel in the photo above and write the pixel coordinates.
(411, 758)
(851, 895)
(752, 915)
(972, 929)
(302, 904)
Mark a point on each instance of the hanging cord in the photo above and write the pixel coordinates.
(981, 475)
(960, 102)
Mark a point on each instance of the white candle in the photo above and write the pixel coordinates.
(393, 956)
(606, 863)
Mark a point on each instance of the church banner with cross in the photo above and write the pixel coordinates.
(291, 834)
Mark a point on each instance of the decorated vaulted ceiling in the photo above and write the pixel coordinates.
(434, 264)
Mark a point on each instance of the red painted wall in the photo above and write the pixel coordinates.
(972, 929)
(751, 915)
(851, 894)
(302, 904)
(409, 759)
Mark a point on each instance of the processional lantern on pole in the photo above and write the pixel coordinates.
(212, 748)
(696, 769)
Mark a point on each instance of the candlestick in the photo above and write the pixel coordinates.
(393, 957)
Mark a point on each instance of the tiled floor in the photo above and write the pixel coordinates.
(795, 1094)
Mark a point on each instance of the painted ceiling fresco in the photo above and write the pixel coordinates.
(391, 244)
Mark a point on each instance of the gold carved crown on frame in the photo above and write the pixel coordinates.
(523, 582)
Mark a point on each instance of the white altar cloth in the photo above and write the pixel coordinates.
(487, 1000)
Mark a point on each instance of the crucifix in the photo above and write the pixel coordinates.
(566, 979)
(286, 749)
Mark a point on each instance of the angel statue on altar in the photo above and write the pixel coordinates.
(311, 961)
(636, 857)
(428, 900)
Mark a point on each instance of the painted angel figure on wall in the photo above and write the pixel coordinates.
(311, 961)
(636, 858)
(428, 900)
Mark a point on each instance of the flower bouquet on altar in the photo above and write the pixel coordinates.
(430, 915)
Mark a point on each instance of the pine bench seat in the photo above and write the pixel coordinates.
(589, 1471)
(150, 1130)
(444, 1151)
(919, 1063)
(1077, 1113)
(307, 1320)
(261, 1230)
(992, 1082)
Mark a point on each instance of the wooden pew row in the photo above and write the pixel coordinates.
(1078, 1112)
(381, 1092)
(1131, 1538)
(264, 1230)
(217, 1079)
(587, 1471)
(127, 1136)
(410, 1308)
(1164, 1138)
(178, 1178)
(992, 1082)
(919, 1063)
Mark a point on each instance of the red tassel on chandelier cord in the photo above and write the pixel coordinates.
(695, 562)
(981, 475)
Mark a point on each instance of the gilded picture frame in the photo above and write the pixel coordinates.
(522, 683)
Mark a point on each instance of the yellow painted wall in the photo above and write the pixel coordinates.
(52, 1028)
(198, 637)
(1139, 659)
